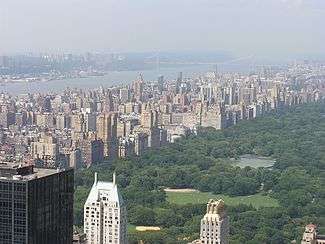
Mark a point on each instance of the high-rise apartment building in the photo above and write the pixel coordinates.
(36, 205)
(62, 121)
(45, 150)
(125, 147)
(124, 95)
(90, 121)
(105, 214)
(74, 158)
(214, 224)
(7, 119)
(77, 122)
(92, 151)
(138, 89)
(45, 120)
(311, 236)
(140, 143)
(161, 83)
(147, 119)
(106, 125)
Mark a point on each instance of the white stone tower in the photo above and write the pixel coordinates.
(105, 214)
(215, 224)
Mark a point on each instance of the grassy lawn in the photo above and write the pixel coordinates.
(203, 197)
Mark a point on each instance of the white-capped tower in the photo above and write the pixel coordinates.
(215, 224)
(105, 214)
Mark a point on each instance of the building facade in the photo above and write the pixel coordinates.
(36, 205)
(105, 214)
(214, 224)
(311, 236)
(45, 150)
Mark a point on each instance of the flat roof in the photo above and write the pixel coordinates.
(43, 172)
(18, 172)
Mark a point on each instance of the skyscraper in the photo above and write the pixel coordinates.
(179, 81)
(161, 83)
(311, 236)
(138, 89)
(92, 151)
(46, 150)
(124, 95)
(36, 205)
(106, 125)
(147, 119)
(105, 214)
(214, 224)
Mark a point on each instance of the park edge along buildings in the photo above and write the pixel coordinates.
(78, 128)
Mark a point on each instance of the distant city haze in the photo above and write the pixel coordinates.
(274, 28)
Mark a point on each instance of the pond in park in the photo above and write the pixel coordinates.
(254, 161)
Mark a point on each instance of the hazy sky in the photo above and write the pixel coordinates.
(242, 26)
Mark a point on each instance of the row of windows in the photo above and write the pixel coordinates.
(6, 187)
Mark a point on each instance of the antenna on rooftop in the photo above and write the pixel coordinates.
(114, 178)
(96, 178)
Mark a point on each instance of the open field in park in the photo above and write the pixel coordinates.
(197, 197)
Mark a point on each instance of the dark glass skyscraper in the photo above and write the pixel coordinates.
(36, 205)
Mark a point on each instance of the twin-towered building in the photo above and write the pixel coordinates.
(311, 235)
(214, 224)
(105, 214)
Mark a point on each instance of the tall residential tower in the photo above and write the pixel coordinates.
(214, 224)
(105, 214)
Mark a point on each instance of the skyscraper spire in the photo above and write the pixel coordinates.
(114, 178)
(96, 178)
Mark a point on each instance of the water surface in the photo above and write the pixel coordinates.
(254, 161)
(114, 78)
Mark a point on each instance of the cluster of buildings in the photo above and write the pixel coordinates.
(26, 68)
(77, 128)
(36, 207)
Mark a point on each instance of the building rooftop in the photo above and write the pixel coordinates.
(106, 191)
(215, 206)
(23, 172)
(311, 226)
